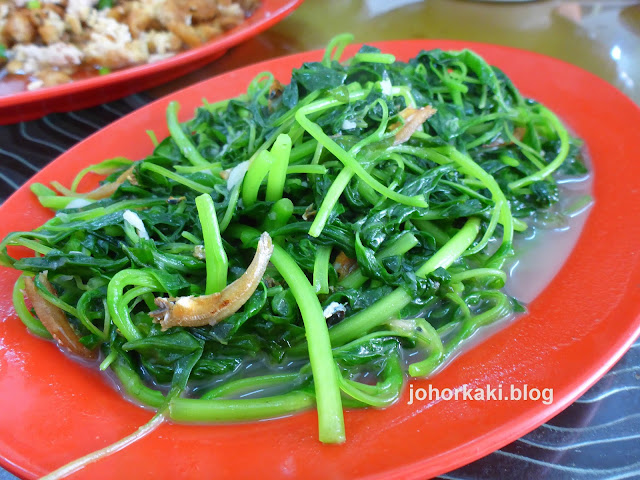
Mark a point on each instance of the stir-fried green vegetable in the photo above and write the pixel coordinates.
(391, 193)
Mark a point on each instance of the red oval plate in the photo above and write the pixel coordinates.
(85, 93)
(53, 410)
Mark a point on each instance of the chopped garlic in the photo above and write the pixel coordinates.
(385, 84)
(236, 175)
(78, 203)
(349, 125)
(199, 253)
(135, 221)
(333, 308)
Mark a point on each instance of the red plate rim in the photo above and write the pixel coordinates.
(578, 327)
(268, 13)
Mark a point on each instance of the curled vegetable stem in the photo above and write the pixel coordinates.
(228, 214)
(279, 215)
(176, 177)
(384, 393)
(134, 385)
(281, 150)
(563, 135)
(424, 333)
(330, 199)
(308, 169)
(493, 223)
(250, 384)
(216, 257)
(52, 317)
(187, 148)
(321, 270)
(211, 408)
(258, 170)
(330, 414)
(384, 58)
(453, 249)
(479, 272)
(468, 166)
(470, 325)
(335, 48)
(220, 410)
(118, 309)
(32, 323)
(103, 168)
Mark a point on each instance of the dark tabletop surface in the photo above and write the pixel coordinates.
(598, 437)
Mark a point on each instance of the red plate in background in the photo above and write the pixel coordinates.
(53, 410)
(85, 93)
